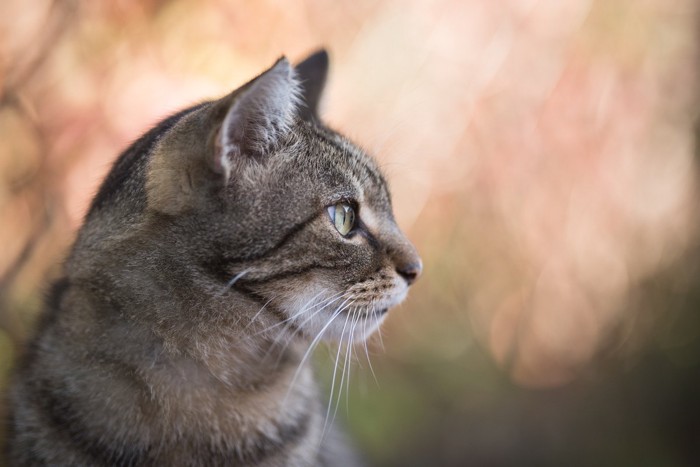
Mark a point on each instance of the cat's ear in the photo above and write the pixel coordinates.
(245, 124)
(312, 74)
(259, 115)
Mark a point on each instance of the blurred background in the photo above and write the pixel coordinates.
(542, 156)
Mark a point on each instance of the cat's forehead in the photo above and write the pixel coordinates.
(351, 167)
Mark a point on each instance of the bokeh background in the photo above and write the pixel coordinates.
(542, 155)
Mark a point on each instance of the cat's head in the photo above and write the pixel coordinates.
(272, 204)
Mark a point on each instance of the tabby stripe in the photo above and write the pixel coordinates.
(221, 264)
(369, 236)
(66, 419)
(256, 450)
(284, 274)
(376, 177)
(291, 233)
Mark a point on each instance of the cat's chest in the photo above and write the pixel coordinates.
(194, 400)
(266, 424)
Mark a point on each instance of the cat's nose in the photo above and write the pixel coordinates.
(406, 260)
(410, 270)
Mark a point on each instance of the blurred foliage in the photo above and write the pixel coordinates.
(541, 157)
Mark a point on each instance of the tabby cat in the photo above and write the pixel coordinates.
(223, 244)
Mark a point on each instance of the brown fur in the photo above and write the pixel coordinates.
(197, 284)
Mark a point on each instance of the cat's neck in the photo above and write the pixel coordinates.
(241, 346)
(226, 382)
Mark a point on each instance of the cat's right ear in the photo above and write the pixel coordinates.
(257, 116)
(243, 125)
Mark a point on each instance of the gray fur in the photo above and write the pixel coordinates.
(161, 344)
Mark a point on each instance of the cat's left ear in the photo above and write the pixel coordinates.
(258, 115)
(311, 74)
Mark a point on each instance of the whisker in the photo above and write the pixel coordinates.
(252, 320)
(335, 371)
(299, 313)
(310, 349)
(235, 279)
(350, 351)
(291, 337)
(379, 330)
(323, 304)
(369, 361)
(342, 377)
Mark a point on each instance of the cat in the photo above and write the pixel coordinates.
(234, 230)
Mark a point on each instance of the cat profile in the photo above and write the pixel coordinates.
(233, 231)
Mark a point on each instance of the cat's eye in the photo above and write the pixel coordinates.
(343, 217)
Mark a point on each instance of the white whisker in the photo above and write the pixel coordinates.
(252, 320)
(379, 329)
(300, 312)
(311, 347)
(235, 279)
(342, 376)
(291, 337)
(350, 351)
(369, 361)
(335, 371)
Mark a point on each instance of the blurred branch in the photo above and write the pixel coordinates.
(59, 17)
(22, 70)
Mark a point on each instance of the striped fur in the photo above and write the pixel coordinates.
(205, 268)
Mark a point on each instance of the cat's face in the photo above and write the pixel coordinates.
(337, 258)
(298, 217)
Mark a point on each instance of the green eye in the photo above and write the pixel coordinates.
(343, 217)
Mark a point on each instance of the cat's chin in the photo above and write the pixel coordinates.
(349, 324)
(357, 326)
(341, 324)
